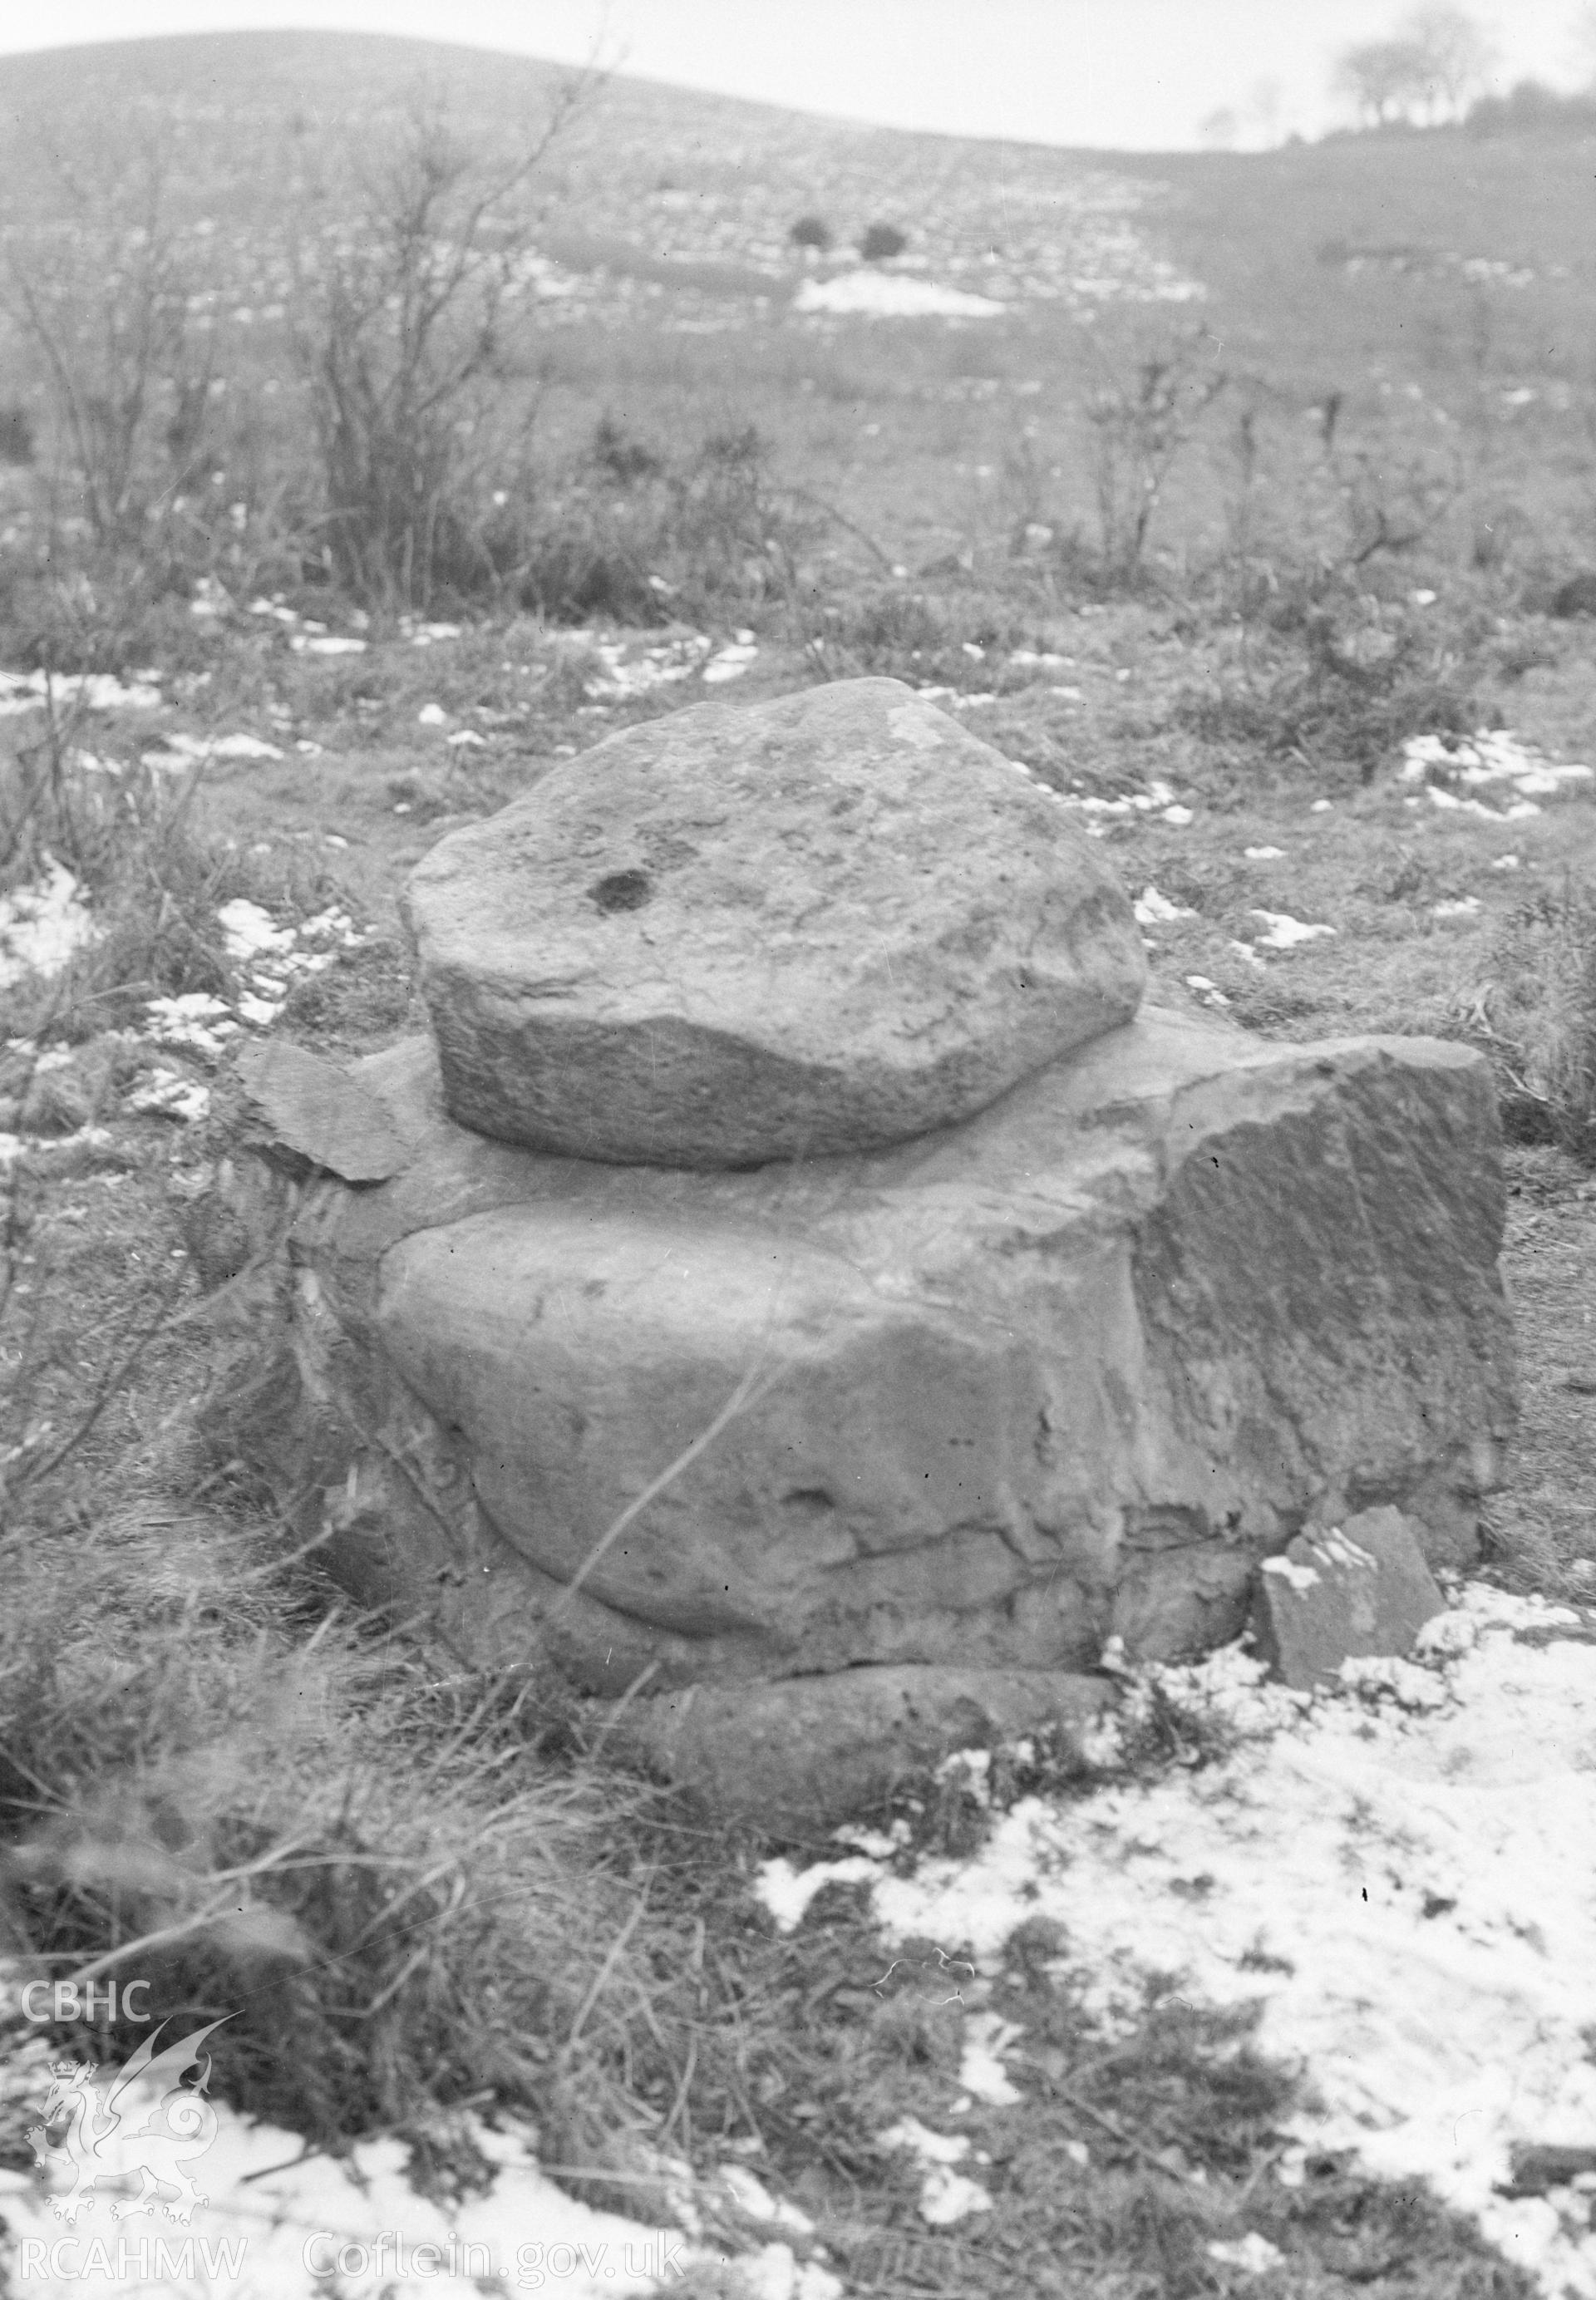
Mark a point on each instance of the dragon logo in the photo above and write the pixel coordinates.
(92, 2110)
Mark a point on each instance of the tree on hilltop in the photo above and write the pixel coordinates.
(1384, 79)
(1427, 72)
(1454, 54)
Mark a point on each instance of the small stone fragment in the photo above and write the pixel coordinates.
(1361, 1589)
(312, 1110)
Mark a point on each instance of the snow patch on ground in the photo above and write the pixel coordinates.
(1492, 756)
(179, 752)
(628, 669)
(892, 295)
(1398, 1872)
(280, 2222)
(1285, 932)
(1157, 799)
(318, 2215)
(305, 637)
(89, 690)
(168, 1094)
(1207, 989)
(945, 2196)
(1253, 2253)
(1443, 763)
(44, 925)
(1152, 909)
(987, 2037)
(277, 955)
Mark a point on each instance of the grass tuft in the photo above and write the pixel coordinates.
(1535, 1016)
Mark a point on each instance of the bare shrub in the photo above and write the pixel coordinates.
(881, 243)
(112, 305)
(957, 641)
(155, 458)
(644, 536)
(1144, 410)
(1394, 497)
(410, 322)
(1331, 674)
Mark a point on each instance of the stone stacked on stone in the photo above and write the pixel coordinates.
(829, 1459)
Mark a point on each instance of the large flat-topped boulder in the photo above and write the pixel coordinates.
(974, 1404)
(819, 925)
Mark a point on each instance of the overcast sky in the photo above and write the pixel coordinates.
(1138, 73)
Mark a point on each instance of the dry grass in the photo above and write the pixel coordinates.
(216, 1782)
(1535, 1013)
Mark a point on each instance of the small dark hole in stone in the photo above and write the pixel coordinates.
(808, 1497)
(622, 890)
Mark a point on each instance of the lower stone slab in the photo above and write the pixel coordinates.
(1068, 1370)
(801, 1754)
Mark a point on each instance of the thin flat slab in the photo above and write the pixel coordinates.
(302, 1104)
(821, 925)
(1361, 1589)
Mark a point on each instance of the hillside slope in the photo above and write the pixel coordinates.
(1430, 269)
(1300, 241)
